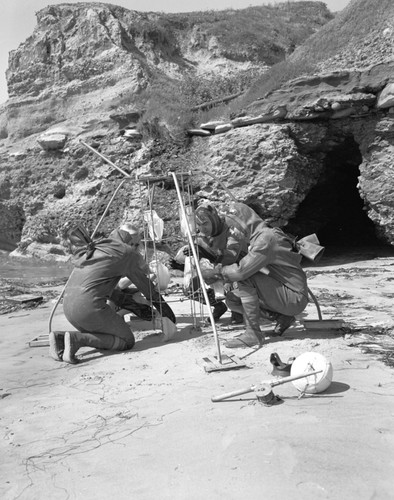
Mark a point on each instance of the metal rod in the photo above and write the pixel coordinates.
(197, 264)
(107, 207)
(223, 186)
(284, 380)
(151, 195)
(232, 394)
(316, 304)
(92, 236)
(160, 178)
(106, 159)
(252, 388)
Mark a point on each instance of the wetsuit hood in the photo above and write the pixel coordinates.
(121, 235)
(244, 219)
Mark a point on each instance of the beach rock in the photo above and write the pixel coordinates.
(212, 125)
(220, 129)
(386, 97)
(132, 135)
(52, 141)
(198, 132)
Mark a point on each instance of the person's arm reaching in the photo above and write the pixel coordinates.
(148, 289)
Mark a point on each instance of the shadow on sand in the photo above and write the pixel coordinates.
(148, 338)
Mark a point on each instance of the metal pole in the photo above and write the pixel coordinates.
(192, 246)
(92, 236)
(316, 304)
(106, 159)
(252, 388)
(223, 186)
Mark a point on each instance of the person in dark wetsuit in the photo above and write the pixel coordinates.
(271, 282)
(92, 283)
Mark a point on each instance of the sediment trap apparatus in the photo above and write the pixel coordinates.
(187, 223)
(310, 373)
(153, 230)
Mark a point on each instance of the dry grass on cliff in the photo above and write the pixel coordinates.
(357, 38)
(263, 34)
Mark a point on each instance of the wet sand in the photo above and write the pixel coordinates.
(141, 424)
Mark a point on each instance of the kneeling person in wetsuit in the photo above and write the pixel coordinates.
(92, 283)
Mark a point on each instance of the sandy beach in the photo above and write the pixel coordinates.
(141, 424)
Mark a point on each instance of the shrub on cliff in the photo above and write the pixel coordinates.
(342, 37)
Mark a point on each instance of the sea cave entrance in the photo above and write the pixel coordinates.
(334, 209)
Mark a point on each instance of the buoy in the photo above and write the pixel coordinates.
(163, 276)
(312, 361)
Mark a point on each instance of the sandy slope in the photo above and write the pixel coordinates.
(141, 424)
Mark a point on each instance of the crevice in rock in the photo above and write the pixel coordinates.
(333, 209)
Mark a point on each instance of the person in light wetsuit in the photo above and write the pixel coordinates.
(271, 281)
(93, 281)
(217, 243)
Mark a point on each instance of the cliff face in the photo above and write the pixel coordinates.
(87, 58)
(317, 153)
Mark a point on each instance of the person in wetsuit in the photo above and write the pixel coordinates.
(217, 243)
(93, 282)
(271, 282)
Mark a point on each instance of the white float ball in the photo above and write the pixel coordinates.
(312, 361)
(163, 276)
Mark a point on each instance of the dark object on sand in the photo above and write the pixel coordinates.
(279, 368)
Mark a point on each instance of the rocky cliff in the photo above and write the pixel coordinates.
(89, 57)
(316, 153)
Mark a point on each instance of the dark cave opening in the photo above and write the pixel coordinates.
(334, 209)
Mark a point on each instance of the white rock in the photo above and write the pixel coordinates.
(223, 128)
(52, 141)
(212, 125)
(386, 97)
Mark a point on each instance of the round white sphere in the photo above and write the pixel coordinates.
(307, 362)
(163, 276)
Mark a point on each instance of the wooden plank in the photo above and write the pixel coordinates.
(23, 298)
(323, 324)
(40, 341)
(228, 363)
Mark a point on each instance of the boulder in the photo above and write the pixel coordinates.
(220, 129)
(212, 125)
(198, 132)
(386, 97)
(52, 141)
(132, 135)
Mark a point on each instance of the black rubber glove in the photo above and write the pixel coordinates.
(117, 297)
(202, 253)
(124, 300)
(164, 309)
(176, 265)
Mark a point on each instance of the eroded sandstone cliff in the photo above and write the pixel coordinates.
(316, 153)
